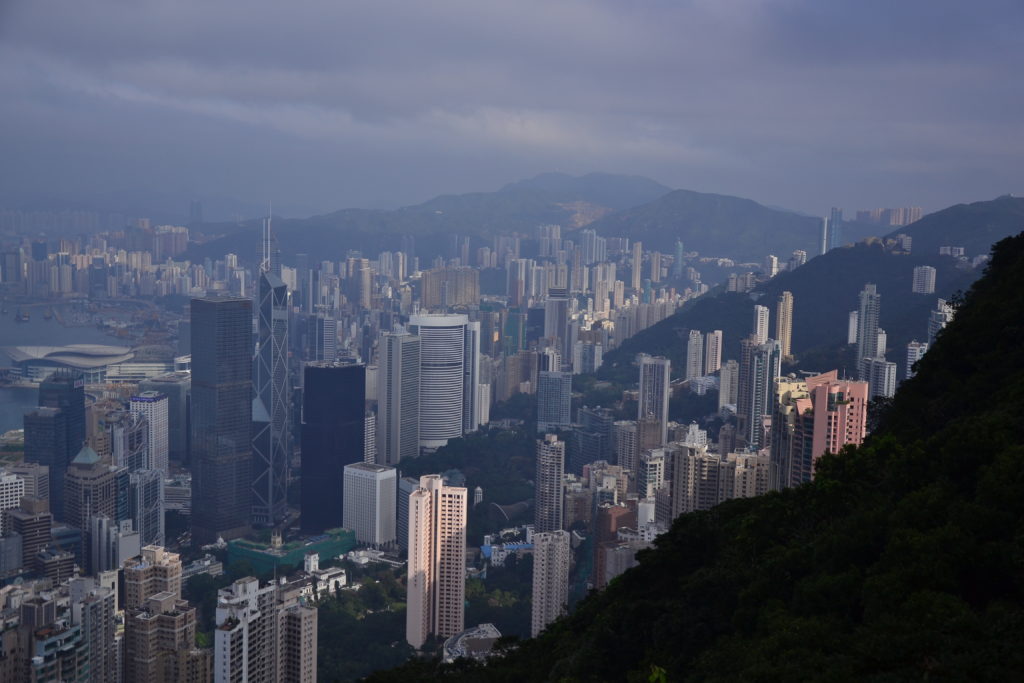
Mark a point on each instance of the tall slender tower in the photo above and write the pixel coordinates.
(677, 265)
(154, 406)
(867, 324)
(655, 375)
(221, 418)
(551, 557)
(760, 327)
(548, 484)
(712, 352)
(398, 398)
(695, 355)
(784, 323)
(764, 370)
(638, 259)
(271, 440)
(437, 561)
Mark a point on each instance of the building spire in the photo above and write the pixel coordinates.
(266, 240)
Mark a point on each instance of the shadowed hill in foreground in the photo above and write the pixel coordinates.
(902, 560)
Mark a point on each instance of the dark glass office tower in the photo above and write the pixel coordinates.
(221, 418)
(332, 437)
(45, 445)
(56, 432)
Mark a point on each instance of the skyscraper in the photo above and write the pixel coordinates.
(554, 400)
(12, 488)
(263, 635)
(548, 484)
(146, 505)
(556, 320)
(712, 352)
(880, 375)
(91, 489)
(157, 571)
(551, 556)
(55, 433)
(333, 422)
(655, 388)
(398, 398)
(784, 323)
(449, 373)
(835, 228)
(867, 324)
(271, 443)
(159, 642)
(638, 260)
(915, 352)
(437, 561)
(812, 417)
(677, 265)
(728, 384)
(760, 327)
(756, 391)
(370, 500)
(695, 355)
(938, 318)
(924, 280)
(45, 444)
(700, 480)
(177, 386)
(154, 406)
(221, 418)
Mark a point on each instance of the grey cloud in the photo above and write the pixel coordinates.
(797, 103)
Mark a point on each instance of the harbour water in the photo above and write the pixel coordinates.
(16, 401)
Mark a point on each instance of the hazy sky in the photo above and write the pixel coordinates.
(326, 104)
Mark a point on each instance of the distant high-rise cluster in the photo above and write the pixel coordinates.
(903, 215)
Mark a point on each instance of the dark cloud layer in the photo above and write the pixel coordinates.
(325, 103)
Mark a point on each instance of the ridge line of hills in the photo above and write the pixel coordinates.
(613, 205)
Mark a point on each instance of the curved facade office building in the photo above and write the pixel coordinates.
(449, 371)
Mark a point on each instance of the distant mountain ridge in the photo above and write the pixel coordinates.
(614, 205)
(715, 225)
(550, 198)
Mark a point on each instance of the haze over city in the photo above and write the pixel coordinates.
(467, 341)
(324, 105)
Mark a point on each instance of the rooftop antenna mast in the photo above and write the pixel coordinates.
(265, 262)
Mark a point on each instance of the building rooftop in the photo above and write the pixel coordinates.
(81, 356)
(369, 467)
(475, 643)
(86, 456)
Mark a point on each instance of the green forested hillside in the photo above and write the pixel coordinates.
(903, 560)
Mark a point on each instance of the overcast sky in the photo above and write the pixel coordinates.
(326, 104)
